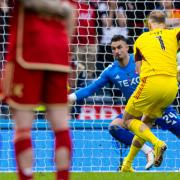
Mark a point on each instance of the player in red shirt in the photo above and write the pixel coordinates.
(36, 72)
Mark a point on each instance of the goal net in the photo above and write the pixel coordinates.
(94, 149)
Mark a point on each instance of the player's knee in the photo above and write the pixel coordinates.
(116, 131)
(117, 121)
(121, 134)
(58, 118)
(125, 123)
(113, 128)
(127, 119)
(115, 125)
(22, 133)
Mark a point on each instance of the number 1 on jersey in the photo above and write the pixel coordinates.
(161, 42)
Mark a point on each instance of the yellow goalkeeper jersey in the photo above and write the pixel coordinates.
(157, 50)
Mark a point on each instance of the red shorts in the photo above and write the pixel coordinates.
(28, 88)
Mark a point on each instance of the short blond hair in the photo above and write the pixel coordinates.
(157, 16)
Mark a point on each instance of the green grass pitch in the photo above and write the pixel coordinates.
(103, 176)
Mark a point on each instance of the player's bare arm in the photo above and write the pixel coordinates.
(54, 7)
(138, 66)
(138, 57)
(138, 60)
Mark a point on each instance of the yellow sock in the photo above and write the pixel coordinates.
(134, 149)
(141, 130)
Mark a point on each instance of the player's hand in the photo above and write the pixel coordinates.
(4, 6)
(72, 98)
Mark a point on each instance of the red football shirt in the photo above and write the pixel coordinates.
(38, 41)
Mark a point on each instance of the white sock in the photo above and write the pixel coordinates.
(146, 149)
(28, 171)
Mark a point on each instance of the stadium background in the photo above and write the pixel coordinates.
(94, 148)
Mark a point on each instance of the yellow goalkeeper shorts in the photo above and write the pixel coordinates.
(152, 96)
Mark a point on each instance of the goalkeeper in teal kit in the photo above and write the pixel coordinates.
(123, 75)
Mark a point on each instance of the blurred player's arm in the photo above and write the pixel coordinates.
(51, 7)
(71, 21)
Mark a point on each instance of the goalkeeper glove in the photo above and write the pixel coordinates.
(72, 97)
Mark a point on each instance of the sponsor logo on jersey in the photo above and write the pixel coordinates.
(130, 82)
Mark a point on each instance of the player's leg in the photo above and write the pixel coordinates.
(59, 121)
(143, 133)
(151, 104)
(170, 121)
(135, 125)
(22, 143)
(125, 136)
(119, 133)
(58, 114)
(23, 97)
(137, 142)
(158, 100)
(159, 147)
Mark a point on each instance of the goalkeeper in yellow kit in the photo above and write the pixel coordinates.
(155, 56)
